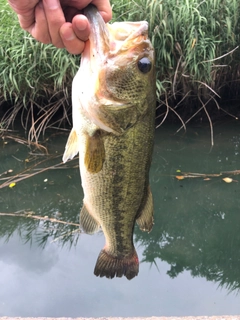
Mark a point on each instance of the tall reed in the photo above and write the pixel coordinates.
(192, 39)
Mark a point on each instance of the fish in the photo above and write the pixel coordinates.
(113, 110)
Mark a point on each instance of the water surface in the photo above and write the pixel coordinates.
(190, 260)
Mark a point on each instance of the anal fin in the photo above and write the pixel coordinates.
(87, 222)
(72, 147)
(95, 153)
(145, 216)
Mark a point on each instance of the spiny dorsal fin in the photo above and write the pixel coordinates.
(71, 148)
(87, 222)
(95, 153)
(145, 217)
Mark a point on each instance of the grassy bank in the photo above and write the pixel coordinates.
(197, 59)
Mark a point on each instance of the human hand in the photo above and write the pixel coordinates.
(58, 21)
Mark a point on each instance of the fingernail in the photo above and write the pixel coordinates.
(81, 27)
(52, 4)
(82, 24)
(70, 37)
(68, 34)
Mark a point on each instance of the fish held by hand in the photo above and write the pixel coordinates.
(114, 97)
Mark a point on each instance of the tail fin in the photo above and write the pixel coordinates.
(109, 266)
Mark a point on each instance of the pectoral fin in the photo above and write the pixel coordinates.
(71, 148)
(95, 153)
(145, 217)
(87, 222)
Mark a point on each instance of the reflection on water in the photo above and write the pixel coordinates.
(193, 248)
(197, 219)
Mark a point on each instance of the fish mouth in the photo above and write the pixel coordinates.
(109, 40)
(109, 65)
(99, 35)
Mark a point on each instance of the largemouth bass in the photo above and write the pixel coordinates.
(113, 97)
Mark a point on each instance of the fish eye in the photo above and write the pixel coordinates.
(144, 65)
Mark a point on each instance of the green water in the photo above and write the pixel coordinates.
(190, 261)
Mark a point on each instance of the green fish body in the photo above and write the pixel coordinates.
(113, 97)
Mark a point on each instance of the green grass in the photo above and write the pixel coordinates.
(188, 35)
(197, 59)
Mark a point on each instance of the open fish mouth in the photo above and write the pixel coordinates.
(112, 39)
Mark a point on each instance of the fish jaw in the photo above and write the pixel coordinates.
(123, 35)
(99, 35)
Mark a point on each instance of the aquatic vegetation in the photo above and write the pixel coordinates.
(197, 59)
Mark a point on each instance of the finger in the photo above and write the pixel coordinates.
(39, 29)
(25, 11)
(105, 9)
(55, 19)
(81, 27)
(26, 20)
(72, 44)
(103, 6)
